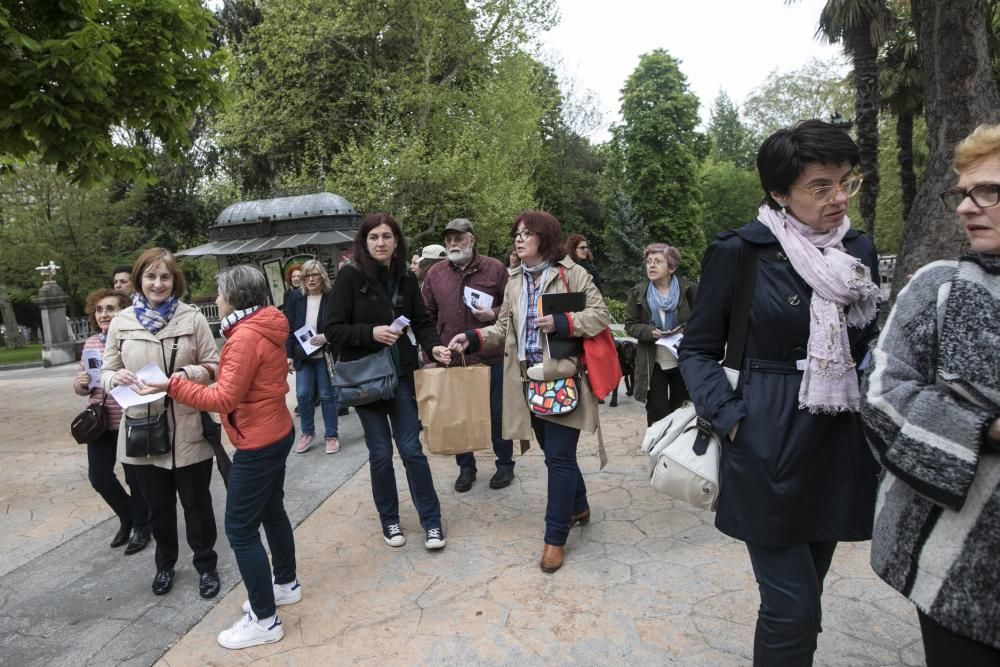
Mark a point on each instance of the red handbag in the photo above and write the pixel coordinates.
(601, 358)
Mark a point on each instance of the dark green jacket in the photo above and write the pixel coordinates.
(637, 318)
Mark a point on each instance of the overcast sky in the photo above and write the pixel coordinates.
(729, 45)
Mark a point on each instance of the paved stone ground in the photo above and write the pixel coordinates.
(644, 583)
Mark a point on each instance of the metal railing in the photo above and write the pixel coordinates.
(79, 327)
(210, 311)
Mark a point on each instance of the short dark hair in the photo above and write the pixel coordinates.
(784, 155)
(97, 296)
(121, 269)
(243, 286)
(152, 256)
(364, 261)
(547, 229)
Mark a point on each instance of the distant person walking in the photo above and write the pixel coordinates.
(656, 308)
(311, 306)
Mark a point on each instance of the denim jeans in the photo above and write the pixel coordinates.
(567, 493)
(790, 580)
(504, 449)
(312, 379)
(401, 414)
(256, 494)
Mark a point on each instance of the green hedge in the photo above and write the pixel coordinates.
(617, 309)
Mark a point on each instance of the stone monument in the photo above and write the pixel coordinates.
(59, 347)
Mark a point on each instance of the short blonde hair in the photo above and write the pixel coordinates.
(324, 277)
(984, 142)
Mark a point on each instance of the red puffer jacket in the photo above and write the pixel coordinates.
(253, 381)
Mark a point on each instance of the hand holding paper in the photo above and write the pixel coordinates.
(672, 342)
(399, 324)
(127, 396)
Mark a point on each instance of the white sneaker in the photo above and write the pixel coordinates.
(248, 632)
(282, 596)
(435, 539)
(304, 443)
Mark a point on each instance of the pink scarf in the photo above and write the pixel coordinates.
(839, 280)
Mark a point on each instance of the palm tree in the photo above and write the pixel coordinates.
(902, 92)
(861, 26)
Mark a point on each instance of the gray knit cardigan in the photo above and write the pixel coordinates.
(932, 392)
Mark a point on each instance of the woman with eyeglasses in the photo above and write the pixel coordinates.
(657, 308)
(312, 305)
(932, 409)
(796, 475)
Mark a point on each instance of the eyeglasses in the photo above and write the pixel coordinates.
(656, 262)
(111, 310)
(983, 196)
(312, 275)
(826, 193)
(582, 247)
(523, 235)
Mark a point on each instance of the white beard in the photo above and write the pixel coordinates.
(460, 257)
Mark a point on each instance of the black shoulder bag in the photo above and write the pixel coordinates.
(90, 424)
(149, 435)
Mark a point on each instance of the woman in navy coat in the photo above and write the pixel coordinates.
(796, 475)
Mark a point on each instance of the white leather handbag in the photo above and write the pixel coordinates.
(684, 455)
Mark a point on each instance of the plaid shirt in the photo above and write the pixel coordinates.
(532, 346)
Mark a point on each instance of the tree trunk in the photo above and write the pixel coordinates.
(904, 156)
(863, 56)
(12, 334)
(959, 94)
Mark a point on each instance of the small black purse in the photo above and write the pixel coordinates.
(147, 436)
(150, 435)
(90, 424)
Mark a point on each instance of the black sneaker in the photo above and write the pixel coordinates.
(465, 479)
(209, 584)
(503, 477)
(393, 535)
(163, 582)
(435, 539)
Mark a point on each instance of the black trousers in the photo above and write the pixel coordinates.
(944, 648)
(162, 487)
(101, 473)
(790, 580)
(666, 393)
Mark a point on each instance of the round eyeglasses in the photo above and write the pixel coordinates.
(826, 193)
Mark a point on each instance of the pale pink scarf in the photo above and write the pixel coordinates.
(839, 281)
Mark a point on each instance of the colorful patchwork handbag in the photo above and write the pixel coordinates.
(552, 397)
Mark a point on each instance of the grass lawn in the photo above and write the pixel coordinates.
(21, 355)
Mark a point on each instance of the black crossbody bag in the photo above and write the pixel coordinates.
(150, 435)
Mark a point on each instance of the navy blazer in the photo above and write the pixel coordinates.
(295, 311)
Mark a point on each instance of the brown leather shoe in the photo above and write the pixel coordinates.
(552, 558)
(582, 518)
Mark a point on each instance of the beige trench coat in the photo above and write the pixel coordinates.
(131, 346)
(586, 323)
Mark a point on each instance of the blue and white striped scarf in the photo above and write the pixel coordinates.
(153, 319)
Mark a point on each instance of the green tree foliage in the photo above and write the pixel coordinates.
(625, 236)
(93, 86)
(428, 110)
(818, 89)
(567, 177)
(729, 138)
(731, 196)
(660, 151)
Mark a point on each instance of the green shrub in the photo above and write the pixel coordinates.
(617, 309)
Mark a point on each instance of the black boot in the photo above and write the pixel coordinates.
(121, 537)
(140, 538)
